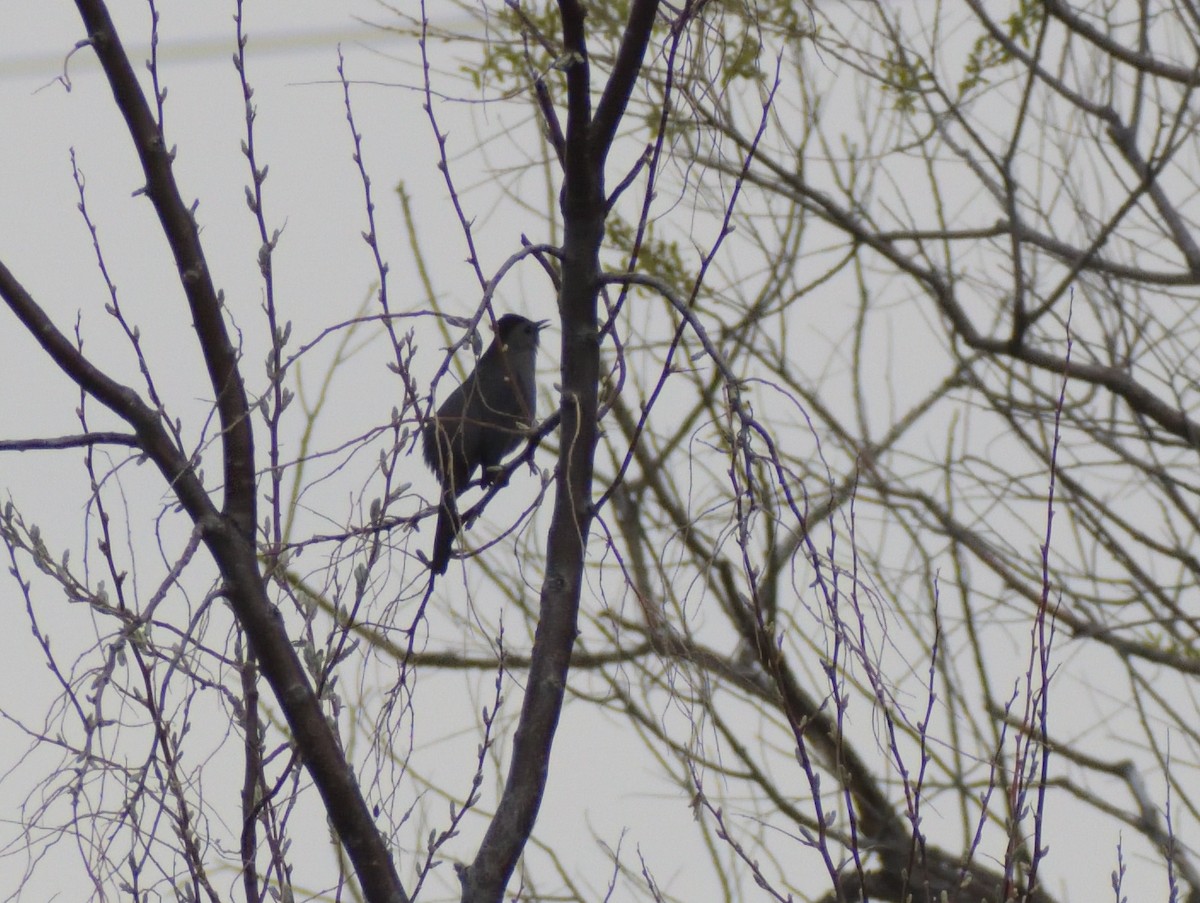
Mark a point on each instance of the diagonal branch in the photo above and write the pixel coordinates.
(227, 533)
(624, 76)
(236, 557)
(179, 227)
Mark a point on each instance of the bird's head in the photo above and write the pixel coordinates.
(516, 333)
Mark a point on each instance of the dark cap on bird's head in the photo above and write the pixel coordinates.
(514, 327)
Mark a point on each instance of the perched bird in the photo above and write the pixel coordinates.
(482, 421)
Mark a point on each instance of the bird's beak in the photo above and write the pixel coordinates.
(541, 324)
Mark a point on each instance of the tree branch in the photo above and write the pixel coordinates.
(584, 208)
(236, 558)
(84, 440)
(179, 227)
(624, 75)
(228, 534)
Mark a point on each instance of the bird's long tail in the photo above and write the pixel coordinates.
(443, 536)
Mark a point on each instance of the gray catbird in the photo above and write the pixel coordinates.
(481, 422)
